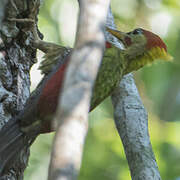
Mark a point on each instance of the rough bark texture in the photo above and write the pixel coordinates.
(2, 9)
(72, 116)
(16, 59)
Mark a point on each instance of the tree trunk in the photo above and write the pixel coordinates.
(16, 58)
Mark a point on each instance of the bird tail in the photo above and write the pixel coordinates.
(11, 142)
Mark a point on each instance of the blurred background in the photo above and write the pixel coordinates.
(159, 87)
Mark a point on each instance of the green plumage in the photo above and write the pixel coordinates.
(109, 75)
(114, 65)
(110, 71)
(115, 62)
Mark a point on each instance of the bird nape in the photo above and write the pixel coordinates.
(141, 47)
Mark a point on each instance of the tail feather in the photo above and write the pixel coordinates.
(9, 153)
(11, 142)
(4, 134)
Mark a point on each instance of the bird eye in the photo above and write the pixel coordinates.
(137, 31)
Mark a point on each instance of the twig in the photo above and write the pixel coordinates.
(25, 20)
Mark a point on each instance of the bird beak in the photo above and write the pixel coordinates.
(118, 34)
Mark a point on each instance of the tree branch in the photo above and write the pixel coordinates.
(72, 115)
(132, 123)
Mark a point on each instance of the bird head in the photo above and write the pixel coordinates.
(141, 47)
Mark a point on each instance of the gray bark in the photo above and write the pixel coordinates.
(132, 124)
(2, 9)
(16, 59)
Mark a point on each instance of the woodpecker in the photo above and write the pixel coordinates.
(141, 47)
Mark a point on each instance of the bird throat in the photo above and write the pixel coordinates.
(147, 58)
